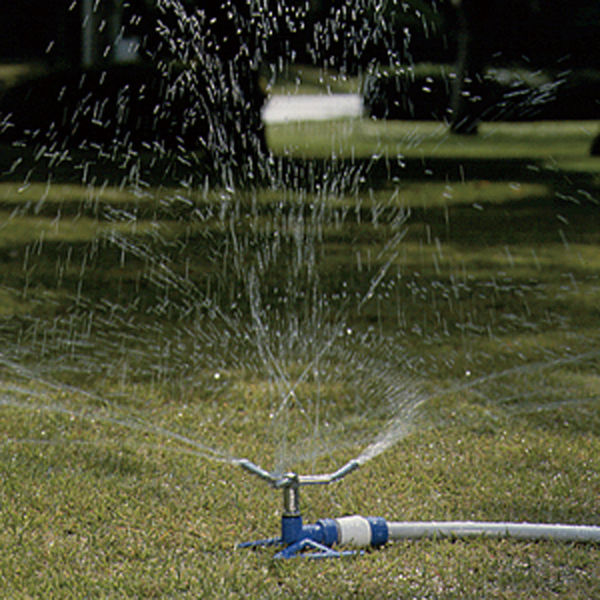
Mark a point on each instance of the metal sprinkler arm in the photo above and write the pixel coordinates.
(294, 480)
(258, 471)
(329, 477)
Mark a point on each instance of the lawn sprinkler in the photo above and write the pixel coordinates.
(318, 540)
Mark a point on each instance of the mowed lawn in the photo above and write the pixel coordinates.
(491, 294)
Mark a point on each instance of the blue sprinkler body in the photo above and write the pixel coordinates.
(317, 540)
(320, 537)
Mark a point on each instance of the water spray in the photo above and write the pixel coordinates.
(318, 540)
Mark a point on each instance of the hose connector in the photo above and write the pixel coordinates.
(360, 531)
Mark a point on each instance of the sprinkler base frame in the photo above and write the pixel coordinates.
(297, 537)
(321, 536)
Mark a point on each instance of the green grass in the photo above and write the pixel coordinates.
(11, 73)
(560, 144)
(119, 518)
(497, 274)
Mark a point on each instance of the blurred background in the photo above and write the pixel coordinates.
(460, 61)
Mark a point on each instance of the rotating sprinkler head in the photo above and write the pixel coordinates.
(319, 538)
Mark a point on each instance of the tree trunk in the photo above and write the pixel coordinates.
(100, 29)
(467, 87)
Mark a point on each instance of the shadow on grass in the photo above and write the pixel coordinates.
(509, 296)
(28, 164)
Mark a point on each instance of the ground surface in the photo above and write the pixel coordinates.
(491, 300)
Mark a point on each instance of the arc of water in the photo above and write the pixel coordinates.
(391, 246)
(397, 424)
(130, 422)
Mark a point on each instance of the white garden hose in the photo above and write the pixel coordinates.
(404, 530)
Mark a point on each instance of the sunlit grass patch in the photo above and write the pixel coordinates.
(36, 193)
(19, 231)
(13, 72)
(477, 194)
(555, 143)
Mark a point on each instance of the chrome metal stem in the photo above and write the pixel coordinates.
(291, 497)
